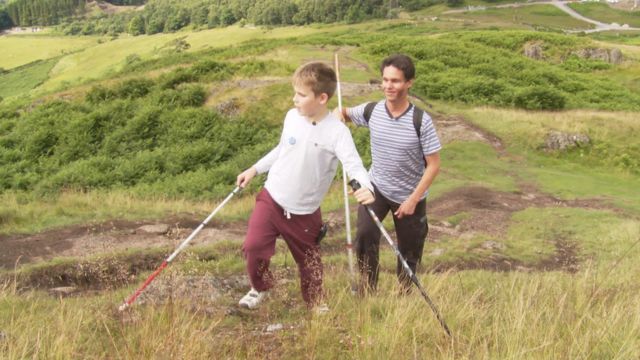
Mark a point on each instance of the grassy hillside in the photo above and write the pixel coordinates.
(531, 253)
(22, 79)
(604, 13)
(537, 16)
(23, 49)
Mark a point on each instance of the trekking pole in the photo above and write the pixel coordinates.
(356, 185)
(345, 191)
(166, 262)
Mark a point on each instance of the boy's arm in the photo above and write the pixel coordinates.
(348, 155)
(263, 165)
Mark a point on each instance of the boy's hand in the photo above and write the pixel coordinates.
(243, 179)
(364, 196)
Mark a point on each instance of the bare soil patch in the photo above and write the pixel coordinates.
(109, 237)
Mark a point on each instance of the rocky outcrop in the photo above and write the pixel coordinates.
(533, 50)
(560, 141)
(611, 56)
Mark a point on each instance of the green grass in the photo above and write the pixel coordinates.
(611, 133)
(22, 79)
(536, 16)
(621, 37)
(100, 60)
(604, 13)
(26, 213)
(23, 49)
(492, 315)
(473, 164)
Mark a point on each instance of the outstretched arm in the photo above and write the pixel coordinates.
(263, 165)
(348, 154)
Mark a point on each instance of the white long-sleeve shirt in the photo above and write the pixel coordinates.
(303, 164)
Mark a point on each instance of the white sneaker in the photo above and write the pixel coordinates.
(252, 299)
(321, 309)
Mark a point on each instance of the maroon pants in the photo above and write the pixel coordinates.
(300, 232)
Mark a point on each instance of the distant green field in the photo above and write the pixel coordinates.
(23, 49)
(602, 12)
(24, 78)
(536, 16)
(97, 61)
(621, 37)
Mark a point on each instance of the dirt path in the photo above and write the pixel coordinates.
(109, 237)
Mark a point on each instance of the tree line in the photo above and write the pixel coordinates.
(172, 15)
(38, 12)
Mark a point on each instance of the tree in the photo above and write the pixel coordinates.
(5, 20)
(136, 26)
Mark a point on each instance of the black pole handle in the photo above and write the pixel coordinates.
(355, 185)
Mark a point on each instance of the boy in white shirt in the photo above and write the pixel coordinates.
(301, 168)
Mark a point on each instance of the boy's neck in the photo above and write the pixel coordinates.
(319, 116)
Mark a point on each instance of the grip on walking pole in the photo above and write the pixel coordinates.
(355, 185)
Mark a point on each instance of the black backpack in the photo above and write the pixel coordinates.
(417, 116)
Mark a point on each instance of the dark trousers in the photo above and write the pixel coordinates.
(268, 221)
(410, 231)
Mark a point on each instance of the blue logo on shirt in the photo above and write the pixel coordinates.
(292, 140)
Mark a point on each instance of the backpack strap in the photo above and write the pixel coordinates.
(417, 119)
(368, 110)
(417, 124)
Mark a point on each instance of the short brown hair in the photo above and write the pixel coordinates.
(402, 63)
(317, 75)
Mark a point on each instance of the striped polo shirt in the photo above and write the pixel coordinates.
(396, 152)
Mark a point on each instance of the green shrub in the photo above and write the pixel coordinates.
(99, 94)
(177, 77)
(540, 98)
(187, 96)
(133, 88)
(574, 63)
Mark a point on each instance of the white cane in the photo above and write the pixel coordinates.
(345, 190)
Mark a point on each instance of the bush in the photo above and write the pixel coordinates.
(177, 77)
(133, 88)
(540, 98)
(187, 96)
(99, 94)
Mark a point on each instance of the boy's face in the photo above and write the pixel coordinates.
(394, 85)
(307, 103)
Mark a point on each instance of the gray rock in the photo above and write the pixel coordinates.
(156, 229)
(492, 245)
(612, 56)
(63, 291)
(229, 107)
(533, 50)
(557, 140)
(274, 327)
(615, 56)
